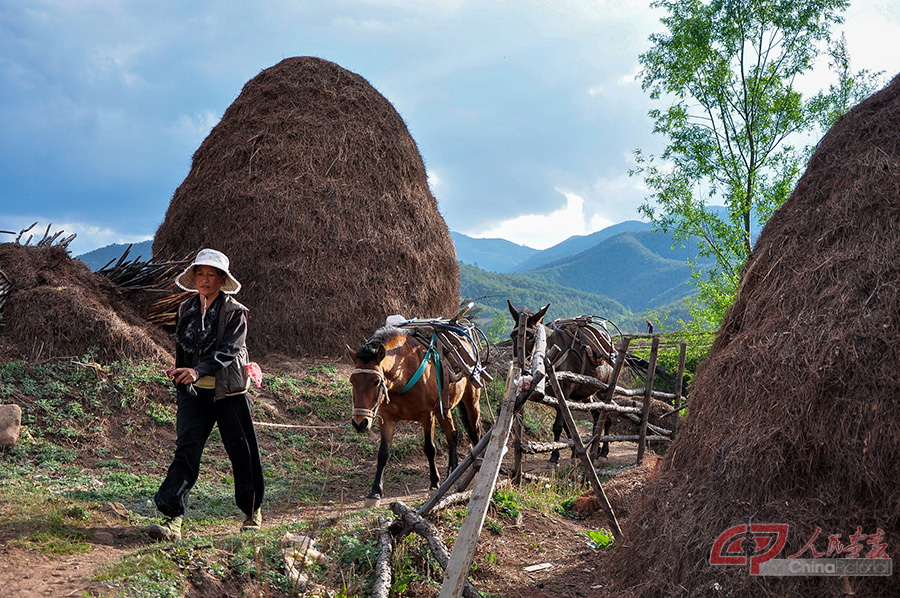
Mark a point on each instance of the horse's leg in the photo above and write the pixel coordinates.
(471, 413)
(428, 446)
(384, 451)
(593, 451)
(452, 435)
(607, 425)
(557, 432)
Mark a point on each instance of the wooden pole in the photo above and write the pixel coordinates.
(454, 475)
(523, 319)
(645, 415)
(424, 528)
(679, 382)
(467, 539)
(588, 407)
(519, 454)
(589, 470)
(610, 392)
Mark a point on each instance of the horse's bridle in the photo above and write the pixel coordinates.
(382, 393)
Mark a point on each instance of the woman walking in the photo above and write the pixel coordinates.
(211, 378)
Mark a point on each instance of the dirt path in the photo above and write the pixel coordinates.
(30, 574)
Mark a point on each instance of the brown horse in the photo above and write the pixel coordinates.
(577, 355)
(385, 388)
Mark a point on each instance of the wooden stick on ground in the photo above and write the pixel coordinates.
(424, 528)
(381, 586)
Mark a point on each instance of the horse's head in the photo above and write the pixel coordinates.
(524, 340)
(368, 384)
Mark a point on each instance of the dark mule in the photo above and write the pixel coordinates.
(577, 356)
(384, 366)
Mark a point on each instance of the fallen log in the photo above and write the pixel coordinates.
(424, 528)
(587, 407)
(601, 386)
(381, 586)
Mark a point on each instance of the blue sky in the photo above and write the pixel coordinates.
(526, 113)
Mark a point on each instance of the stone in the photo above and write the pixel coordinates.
(10, 424)
(100, 537)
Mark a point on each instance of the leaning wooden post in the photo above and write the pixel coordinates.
(648, 397)
(589, 470)
(454, 475)
(679, 383)
(467, 538)
(621, 352)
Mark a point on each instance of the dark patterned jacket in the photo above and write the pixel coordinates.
(227, 358)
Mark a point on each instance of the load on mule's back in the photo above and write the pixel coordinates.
(586, 348)
(417, 371)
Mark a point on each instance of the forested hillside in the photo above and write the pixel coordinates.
(640, 270)
(494, 255)
(491, 290)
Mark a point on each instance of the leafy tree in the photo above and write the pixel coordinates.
(499, 327)
(730, 69)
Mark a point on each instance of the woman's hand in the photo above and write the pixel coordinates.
(183, 375)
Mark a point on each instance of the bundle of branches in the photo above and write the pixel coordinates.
(156, 275)
(794, 416)
(46, 240)
(57, 307)
(5, 288)
(321, 200)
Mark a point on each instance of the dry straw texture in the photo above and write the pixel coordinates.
(795, 415)
(313, 186)
(59, 308)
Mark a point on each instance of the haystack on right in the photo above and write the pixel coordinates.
(795, 415)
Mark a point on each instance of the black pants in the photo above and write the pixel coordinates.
(195, 420)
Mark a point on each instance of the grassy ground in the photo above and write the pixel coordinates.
(95, 444)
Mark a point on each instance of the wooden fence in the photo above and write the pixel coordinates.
(521, 386)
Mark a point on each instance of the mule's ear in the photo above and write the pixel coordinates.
(512, 310)
(379, 353)
(351, 354)
(539, 315)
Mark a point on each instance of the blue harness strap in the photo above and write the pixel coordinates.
(434, 355)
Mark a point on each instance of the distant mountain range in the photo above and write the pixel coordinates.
(493, 255)
(575, 245)
(619, 273)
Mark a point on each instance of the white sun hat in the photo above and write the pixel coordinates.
(209, 257)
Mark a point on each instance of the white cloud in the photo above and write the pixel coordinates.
(88, 236)
(195, 127)
(541, 231)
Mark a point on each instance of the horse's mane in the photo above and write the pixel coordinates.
(382, 336)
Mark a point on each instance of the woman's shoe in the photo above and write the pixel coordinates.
(169, 530)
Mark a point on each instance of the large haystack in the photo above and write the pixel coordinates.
(59, 308)
(795, 415)
(313, 186)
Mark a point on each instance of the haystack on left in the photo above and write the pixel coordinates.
(313, 186)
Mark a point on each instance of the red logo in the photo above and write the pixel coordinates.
(768, 541)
